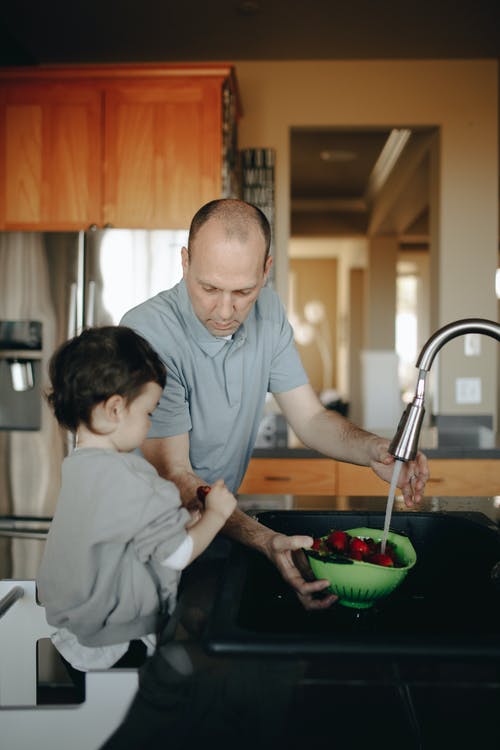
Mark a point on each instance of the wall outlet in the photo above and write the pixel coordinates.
(468, 390)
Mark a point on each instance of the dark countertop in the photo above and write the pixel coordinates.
(272, 702)
(268, 702)
(489, 506)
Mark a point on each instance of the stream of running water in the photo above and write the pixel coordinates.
(390, 501)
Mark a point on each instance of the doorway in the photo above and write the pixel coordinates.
(349, 188)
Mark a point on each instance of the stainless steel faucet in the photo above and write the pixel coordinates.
(404, 445)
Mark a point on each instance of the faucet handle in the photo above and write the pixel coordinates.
(404, 444)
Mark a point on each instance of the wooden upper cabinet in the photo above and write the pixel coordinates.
(50, 137)
(127, 146)
(163, 147)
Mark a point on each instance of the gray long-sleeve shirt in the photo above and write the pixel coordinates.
(116, 520)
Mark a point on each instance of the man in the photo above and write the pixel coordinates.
(226, 342)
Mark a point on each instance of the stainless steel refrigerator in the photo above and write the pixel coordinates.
(52, 285)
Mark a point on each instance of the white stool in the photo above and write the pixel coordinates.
(84, 726)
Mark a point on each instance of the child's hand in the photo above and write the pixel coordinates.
(195, 517)
(220, 500)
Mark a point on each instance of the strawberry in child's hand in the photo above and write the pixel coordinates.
(202, 492)
(316, 545)
(338, 541)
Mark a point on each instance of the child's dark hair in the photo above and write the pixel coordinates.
(97, 364)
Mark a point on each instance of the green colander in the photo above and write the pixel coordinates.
(359, 584)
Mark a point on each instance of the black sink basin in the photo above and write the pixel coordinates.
(448, 605)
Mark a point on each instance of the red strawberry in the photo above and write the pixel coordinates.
(338, 540)
(316, 544)
(389, 548)
(355, 555)
(380, 558)
(358, 546)
(202, 492)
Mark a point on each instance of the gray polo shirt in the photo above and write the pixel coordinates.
(216, 388)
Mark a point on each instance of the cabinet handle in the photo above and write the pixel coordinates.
(277, 479)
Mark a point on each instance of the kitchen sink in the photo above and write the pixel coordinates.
(449, 604)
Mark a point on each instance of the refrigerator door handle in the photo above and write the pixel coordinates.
(72, 312)
(90, 305)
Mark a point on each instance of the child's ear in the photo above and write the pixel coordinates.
(106, 415)
(113, 407)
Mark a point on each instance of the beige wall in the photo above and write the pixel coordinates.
(380, 311)
(457, 96)
(314, 304)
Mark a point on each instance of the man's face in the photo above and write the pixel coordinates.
(224, 276)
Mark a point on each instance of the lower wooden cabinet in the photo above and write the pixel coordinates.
(359, 480)
(466, 477)
(294, 476)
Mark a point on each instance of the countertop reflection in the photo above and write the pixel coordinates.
(22, 539)
(460, 443)
(450, 451)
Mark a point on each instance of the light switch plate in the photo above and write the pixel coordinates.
(472, 344)
(468, 390)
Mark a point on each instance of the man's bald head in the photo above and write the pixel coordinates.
(238, 219)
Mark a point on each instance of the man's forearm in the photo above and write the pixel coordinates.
(246, 530)
(337, 437)
(187, 483)
(327, 431)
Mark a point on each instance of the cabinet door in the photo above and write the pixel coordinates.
(50, 154)
(448, 478)
(294, 476)
(359, 480)
(163, 150)
(465, 477)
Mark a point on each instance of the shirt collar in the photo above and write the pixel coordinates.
(209, 343)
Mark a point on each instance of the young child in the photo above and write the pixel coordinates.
(120, 536)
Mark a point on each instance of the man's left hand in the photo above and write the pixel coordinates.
(282, 550)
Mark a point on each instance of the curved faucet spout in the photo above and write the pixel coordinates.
(451, 331)
(405, 442)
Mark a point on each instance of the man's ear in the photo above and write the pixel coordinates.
(185, 260)
(267, 267)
